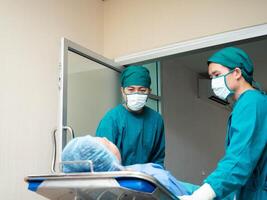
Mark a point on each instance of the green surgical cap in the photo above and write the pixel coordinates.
(232, 57)
(135, 75)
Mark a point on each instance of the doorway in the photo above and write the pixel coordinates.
(195, 127)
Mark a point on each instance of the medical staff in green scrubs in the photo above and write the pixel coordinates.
(137, 130)
(242, 172)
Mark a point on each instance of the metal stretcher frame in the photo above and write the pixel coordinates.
(122, 185)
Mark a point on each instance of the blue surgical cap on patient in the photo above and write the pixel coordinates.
(89, 148)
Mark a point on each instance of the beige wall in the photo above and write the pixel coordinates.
(29, 51)
(133, 26)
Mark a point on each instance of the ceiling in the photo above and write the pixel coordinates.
(256, 48)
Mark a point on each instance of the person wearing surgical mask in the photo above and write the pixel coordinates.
(241, 173)
(136, 130)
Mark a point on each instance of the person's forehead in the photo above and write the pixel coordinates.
(214, 68)
(105, 141)
(136, 86)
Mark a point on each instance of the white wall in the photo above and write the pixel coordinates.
(133, 26)
(29, 54)
(195, 129)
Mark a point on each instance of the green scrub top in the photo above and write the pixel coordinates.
(243, 169)
(139, 137)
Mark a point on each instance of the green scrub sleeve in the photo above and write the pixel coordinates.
(247, 133)
(107, 128)
(158, 154)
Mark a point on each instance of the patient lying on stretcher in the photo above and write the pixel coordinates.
(106, 157)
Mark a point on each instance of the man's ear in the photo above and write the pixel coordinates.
(238, 73)
(122, 90)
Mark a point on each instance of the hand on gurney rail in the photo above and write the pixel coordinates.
(205, 192)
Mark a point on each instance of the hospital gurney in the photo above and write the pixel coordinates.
(119, 185)
(122, 185)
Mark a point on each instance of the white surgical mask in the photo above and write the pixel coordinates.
(135, 101)
(220, 87)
